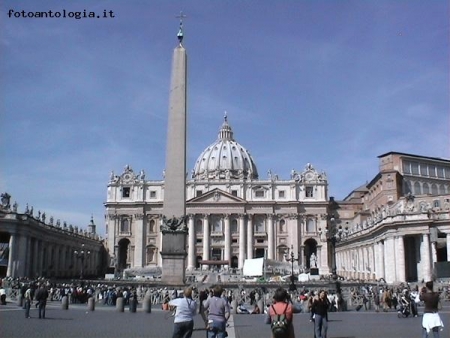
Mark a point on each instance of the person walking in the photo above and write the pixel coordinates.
(28, 299)
(218, 313)
(431, 320)
(320, 308)
(41, 297)
(186, 308)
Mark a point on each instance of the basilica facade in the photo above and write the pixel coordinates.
(232, 213)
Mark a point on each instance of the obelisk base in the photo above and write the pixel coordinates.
(173, 259)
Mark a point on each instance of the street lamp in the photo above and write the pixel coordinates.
(333, 236)
(81, 254)
(292, 287)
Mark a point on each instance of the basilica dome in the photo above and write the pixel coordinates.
(225, 159)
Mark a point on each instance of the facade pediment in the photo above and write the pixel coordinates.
(216, 196)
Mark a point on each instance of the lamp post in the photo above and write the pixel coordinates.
(291, 259)
(333, 236)
(81, 255)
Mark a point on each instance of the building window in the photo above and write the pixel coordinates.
(281, 194)
(417, 190)
(198, 193)
(440, 172)
(234, 192)
(447, 172)
(234, 226)
(309, 192)
(217, 224)
(415, 168)
(426, 189)
(423, 169)
(125, 192)
(259, 193)
(125, 226)
(407, 167)
(434, 189)
(234, 241)
(260, 224)
(151, 254)
(199, 226)
(152, 194)
(199, 240)
(310, 225)
(436, 204)
(432, 170)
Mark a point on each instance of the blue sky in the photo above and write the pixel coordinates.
(331, 83)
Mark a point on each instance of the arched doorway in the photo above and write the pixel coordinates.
(123, 255)
(234, 262)
(310, 248)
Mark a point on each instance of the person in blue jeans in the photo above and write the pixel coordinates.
(320, 309)
(218, 313)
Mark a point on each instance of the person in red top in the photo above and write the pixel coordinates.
(281, 299)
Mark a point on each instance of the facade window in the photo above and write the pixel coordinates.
(282, 226)
(199, 226)
(417, 190)
(447, 172)
(199, 240)
(310, 225)
(152, 226)
(415, 168)
(432, 170)
(434, 189)
(423, 169)
(125, 192)
(234, 192)
(407, 167)
(216, 254)
(426, 189)
(125, 226)
(198, 193)
(234, 226)
(436, 204)
(440, 172)
(281, 194)
(234, 240)
(259, 224)
(259, 193)
(309, 192)
(216, 224)
(152, 194)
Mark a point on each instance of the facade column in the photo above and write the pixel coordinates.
(425, 267)
(301, 255)
(241, 242)
(250, 237)
(140, 236)
(270, 237)
(382, 257)
(191, 241)
(400, 259)
(35, 272)
(206, 239)
(227, 249)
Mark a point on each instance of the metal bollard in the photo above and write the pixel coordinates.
(65, 303)
(133, 305)
(147, 305)
(91, 304)
(120, 304)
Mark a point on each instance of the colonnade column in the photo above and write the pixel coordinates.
(35, 266)
(191, 241)
(11, 258)
(206, 238)
(448, 247)
(241, 242)
(425, 256)
(227, 251)
(382, 272)
(400, 258)
(301, 258)
(250, 237)
(270, 237)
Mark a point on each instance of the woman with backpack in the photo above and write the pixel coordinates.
(280, 315)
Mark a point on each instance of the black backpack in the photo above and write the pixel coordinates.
(279, 324)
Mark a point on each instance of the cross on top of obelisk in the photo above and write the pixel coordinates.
(180, 31)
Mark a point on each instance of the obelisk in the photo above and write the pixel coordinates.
(173, 225)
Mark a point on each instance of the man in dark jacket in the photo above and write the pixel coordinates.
(41, 297)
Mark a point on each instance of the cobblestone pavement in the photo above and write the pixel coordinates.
(106, 321)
